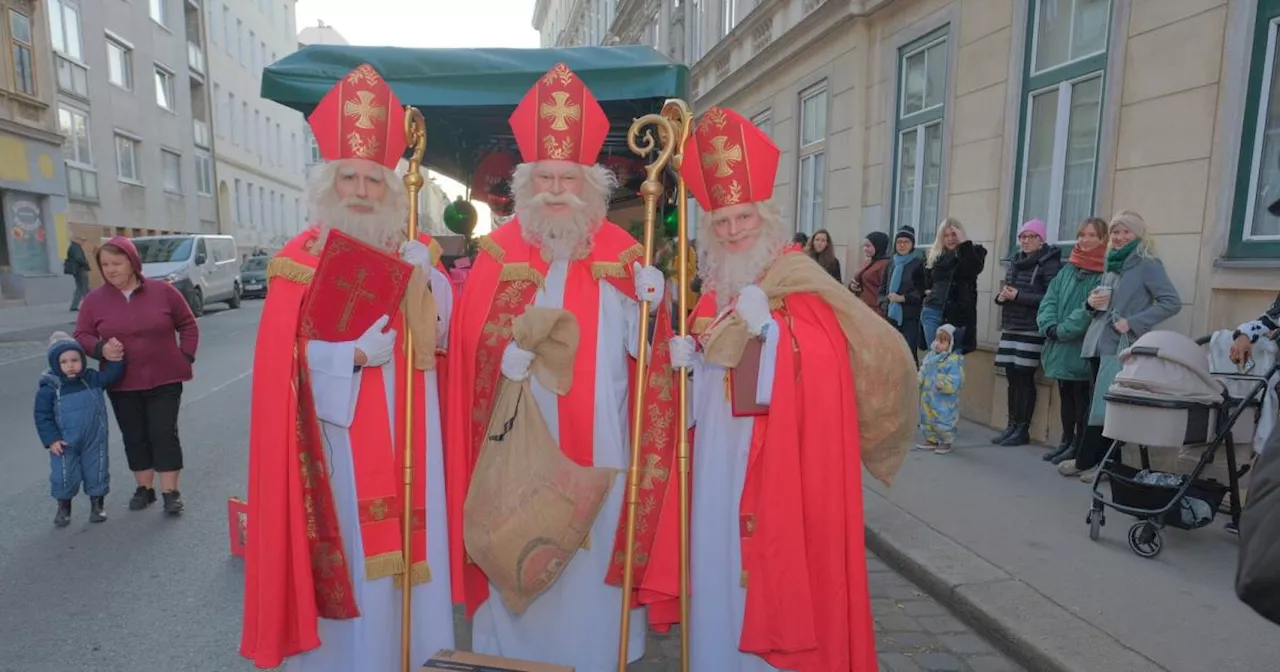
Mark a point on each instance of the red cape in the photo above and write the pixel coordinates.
(801, 519)
(280, 605)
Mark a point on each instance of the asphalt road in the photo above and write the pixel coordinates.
(144, 592)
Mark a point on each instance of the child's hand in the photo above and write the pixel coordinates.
(57, 447)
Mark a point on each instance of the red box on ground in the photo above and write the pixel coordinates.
(237, 524)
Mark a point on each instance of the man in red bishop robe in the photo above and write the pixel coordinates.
(561, 252)
(324, 553)
(778, 571)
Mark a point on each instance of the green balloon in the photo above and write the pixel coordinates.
(460, 217)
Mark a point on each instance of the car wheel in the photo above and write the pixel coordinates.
(196, 301)
(234, 301)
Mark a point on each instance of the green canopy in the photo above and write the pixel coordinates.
(466, 95)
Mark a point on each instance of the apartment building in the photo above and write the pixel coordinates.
(259, 146)
(900, 112)
(33, 184)
(133, 109)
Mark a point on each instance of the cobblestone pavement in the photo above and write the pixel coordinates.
(913, 634)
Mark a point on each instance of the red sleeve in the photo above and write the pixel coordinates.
(86, 333)
(184, 322)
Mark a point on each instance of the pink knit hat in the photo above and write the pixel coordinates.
(1034, 226)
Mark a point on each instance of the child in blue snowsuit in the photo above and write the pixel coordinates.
(71, 419)
(941, 377)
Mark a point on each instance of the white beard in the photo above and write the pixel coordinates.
(726, 273)
(561, 235)
(383, 228)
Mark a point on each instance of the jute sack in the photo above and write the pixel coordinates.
(529, 507)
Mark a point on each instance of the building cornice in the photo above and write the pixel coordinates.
(629, 21)
(30, 132)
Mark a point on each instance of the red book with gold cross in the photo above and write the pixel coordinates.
(354, 284)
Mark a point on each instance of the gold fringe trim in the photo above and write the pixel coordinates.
(384, 565)
(631, 254)
(283, 267)
(520, 271)
(742, 581)
(775, 304)
(418, 575)
(608, 269)
(486, 244)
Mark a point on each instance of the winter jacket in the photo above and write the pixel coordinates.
(953, 281)
(1063, 319)
(74, 410)
(869, 278)
(1030, 274)
(1258, 563)
(145, 322)
(911, 288)
(1141, 293)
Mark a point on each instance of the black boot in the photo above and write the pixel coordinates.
(63, 517)
(97, 510)
(1067, 441)
(172, 502)
(142, 498)
(1072, 451)
(1020, 436)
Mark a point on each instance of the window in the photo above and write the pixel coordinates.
(728, 16)
(64, 28)
(252, 47)
(813, 160)
(82, 180)
(213, 25)
(313, 156)
(171, 163)
(1255, 231)
(1061, 114)
(922, 93)
(24, 74)
(119, 65)
(127, 160)
(160, 12)
(228, 40)
(240, 42)
(245, 133)
(764, 122)
(276, 146)
(696, 44)
(259, 141)
(204, 174)
(240, 217)
(164, 89)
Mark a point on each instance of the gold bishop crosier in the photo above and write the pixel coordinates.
(668, 131)
(415, 131)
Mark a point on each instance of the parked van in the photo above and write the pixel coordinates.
(204, 268)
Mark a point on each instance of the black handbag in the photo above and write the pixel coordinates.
(1258, 571)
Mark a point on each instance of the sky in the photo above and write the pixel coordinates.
(428, 23)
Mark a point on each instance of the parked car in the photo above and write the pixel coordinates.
(253, 273)
(204, 268)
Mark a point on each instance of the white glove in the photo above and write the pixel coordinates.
(378, 346)
(682, 352)
(753, 307)
(414, 252)
(649, 283)
(516, 362)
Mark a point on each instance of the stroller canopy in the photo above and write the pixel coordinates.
(1165, 365)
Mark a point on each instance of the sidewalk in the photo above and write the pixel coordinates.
(27, 322)
(998, 536)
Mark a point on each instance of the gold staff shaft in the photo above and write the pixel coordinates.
(681, 118)
(642, 144)
(415, 131)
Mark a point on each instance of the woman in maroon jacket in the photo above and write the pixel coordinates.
(130, 313)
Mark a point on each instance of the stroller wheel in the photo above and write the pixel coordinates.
(1096, 520)
(1146, 539)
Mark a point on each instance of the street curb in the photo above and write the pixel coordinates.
(1028, 626)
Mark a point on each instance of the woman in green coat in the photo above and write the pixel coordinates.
(1063, 318)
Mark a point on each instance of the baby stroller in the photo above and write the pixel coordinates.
(1165, 397)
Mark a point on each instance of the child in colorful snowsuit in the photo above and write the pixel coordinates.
(71, 419)
(941, 377)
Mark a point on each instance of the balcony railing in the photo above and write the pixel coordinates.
(195, 57)
(200, 133)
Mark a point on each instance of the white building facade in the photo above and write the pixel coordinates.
(259, 146)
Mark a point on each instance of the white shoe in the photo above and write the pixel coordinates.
(1068, 468)
(926, 446)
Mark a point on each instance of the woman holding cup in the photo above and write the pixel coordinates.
(1134, 296)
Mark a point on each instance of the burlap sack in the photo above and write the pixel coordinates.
(529, 507)
(884, 373)
(419, 309)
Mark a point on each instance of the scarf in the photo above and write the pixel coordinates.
(1088, 260)
(900, 261)
(1117, 257)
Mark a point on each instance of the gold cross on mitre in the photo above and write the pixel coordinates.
(560, 110)
(724, 156)
(365, 109)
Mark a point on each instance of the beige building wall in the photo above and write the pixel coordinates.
(1176, 79)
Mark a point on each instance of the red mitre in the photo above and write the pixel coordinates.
(728, 161)
(360, 118)
(559, 119)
